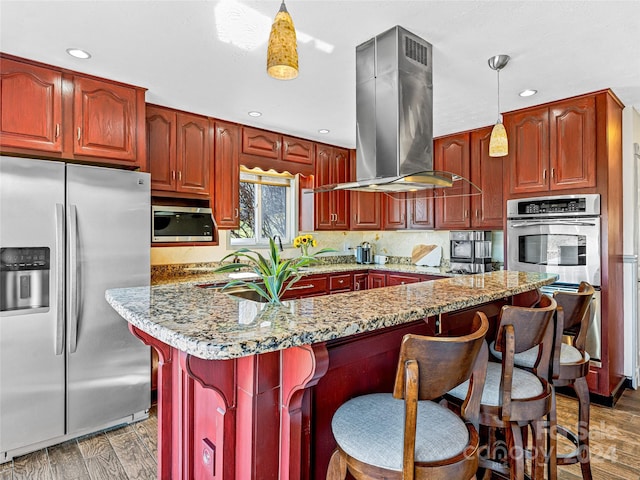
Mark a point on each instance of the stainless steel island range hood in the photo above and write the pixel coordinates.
(394, 116)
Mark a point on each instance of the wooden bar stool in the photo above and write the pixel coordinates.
(572, 368)
(514, 398)
(406, 435)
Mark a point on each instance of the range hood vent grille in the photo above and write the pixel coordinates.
(416, 51)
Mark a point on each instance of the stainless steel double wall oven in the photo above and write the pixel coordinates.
(561, 235)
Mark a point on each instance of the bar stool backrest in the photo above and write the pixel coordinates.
(575, 306)
(443, 362)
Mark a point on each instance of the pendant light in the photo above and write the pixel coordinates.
(282, 53)
(498, 145)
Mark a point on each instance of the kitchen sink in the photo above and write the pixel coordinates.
(238, 291)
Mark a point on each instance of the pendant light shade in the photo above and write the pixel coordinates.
(498, 144)
(282, 53)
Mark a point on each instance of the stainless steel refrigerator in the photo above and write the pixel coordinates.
(68, 364)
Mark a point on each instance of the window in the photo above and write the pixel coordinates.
(267, 208)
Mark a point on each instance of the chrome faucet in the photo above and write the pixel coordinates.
(279, 242)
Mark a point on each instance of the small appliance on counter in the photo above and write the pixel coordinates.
(470, 251)
(364, 253)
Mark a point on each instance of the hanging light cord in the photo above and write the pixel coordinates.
(499, 116)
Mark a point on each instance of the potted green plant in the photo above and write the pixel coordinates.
(277, 274)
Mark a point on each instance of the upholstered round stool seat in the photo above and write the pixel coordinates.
(370, 429)
(525, 385)
(568, 354)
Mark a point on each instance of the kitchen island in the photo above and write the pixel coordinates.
(247, 390)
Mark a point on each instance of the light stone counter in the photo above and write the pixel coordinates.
(216, 326)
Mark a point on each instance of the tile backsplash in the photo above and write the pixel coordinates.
(397, 244)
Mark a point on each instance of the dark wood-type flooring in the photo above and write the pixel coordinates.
(129, 452)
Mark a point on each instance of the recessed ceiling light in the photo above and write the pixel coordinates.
(78, 53)
(253, 113)
(324, 130)
(528, 92)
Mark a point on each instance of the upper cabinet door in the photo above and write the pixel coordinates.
(161, 148)
(394, 211)
(226, 190)
(260, 142)
(194, 156)
(323, 213)
(487, 209)
(365, 211)
(31, 113)
(297, 150)
(452, 204)
(573, 143)
(342, 174)
(105, 117)
(528, 134)
(421, 211)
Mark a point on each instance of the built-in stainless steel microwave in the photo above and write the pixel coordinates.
(182, 224)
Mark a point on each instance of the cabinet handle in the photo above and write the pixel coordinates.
(401, 283)
(553, 172)
(466, 214)
(276, 146)
(78, 133)
(340, 281)
(57, 130)
(173, 174)
(544, 173)
(477, 213)
(180, 176)
(303, 287)
(237, 213)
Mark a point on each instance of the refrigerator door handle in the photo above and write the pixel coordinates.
(59, 348)
(73, 279)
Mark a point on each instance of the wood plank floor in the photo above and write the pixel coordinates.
(129, 453)
(124, 453)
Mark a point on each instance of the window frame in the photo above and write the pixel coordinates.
(258, 176)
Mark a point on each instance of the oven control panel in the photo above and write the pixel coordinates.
(564, 205)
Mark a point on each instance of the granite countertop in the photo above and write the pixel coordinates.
(213, 325)
(207, 275)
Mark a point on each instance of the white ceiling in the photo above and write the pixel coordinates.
(209, 56)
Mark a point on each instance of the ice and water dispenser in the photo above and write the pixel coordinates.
(24, 278)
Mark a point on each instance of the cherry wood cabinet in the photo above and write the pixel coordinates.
(340, 282)
(487, 208)
(281, 149)
(377, 280)
(451, 154)
(60, 114)
(31, 113)
(104, 120)
(394, 211)
(332, 165)
(401, 279)
(360, 281)
(179, 151)
(461, 206)
(226, 189)
(553, 147)
(411, 210)
(366, 211)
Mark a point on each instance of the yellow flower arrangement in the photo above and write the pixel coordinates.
(304, 242)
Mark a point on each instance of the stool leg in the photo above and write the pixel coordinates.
(582, 392)
(337, 466)
(538, 444)
(516, 451)
(552, 438)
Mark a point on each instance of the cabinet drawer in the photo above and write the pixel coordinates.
(309, 286)
(401, 279)
(340, 282)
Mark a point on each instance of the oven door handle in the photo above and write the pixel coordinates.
(568, 222)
